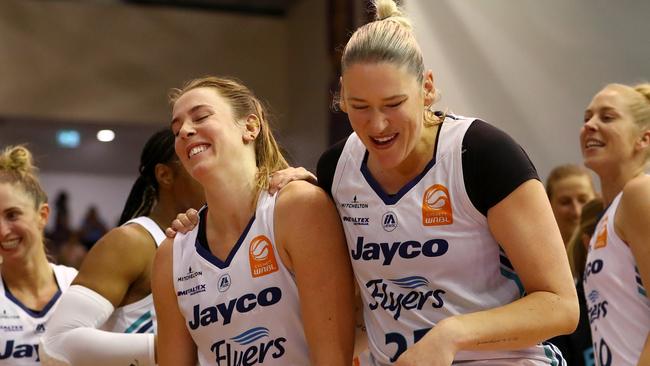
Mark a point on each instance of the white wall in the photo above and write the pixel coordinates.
(530, 67)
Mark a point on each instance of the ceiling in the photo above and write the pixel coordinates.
(268, 7)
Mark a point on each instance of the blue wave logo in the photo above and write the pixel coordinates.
(412, 282)
(251, 335)
(593, 296)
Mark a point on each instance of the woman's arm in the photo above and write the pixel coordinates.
(120, 258)
(632, 223)
(309, 230)
(175, 345)
(524, 226)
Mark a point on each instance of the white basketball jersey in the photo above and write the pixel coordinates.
(21, 327)
(618, 305)
(140, 316)
(245, 309)
(425, 253)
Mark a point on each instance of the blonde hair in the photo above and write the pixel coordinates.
(17, 167)
(640, 106)
(388, 39)
(268, 156)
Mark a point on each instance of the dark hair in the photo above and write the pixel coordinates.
(159, 149)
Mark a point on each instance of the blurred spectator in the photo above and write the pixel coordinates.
(61, 232)
(71, 252)
(92, 228)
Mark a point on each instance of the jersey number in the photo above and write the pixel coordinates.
(401, 342)
(603, 352)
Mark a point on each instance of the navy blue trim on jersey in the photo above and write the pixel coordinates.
(203, 249)
(31, 312)
(391, 199)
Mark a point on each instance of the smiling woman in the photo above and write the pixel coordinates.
(30, 286)
(615, 143)
(443, 214)
(286, 307)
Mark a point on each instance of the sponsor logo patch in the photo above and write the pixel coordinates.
(262, 257)
(190, 274)
(361, 221)
(224, 282)
(436, 206)
(354, 204)
(191, 291)
(389, 221)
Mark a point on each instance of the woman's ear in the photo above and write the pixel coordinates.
(342, 105)
(429, 88)
(164, 175)
(43, 215)
(251, 128)
(644, 140)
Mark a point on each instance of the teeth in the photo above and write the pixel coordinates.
(592, 143)
(196, 150)
(9, 244)
(384, 139)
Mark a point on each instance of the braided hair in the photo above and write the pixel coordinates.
(159, 149)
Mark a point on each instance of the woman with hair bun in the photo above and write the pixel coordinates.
(615, 144)
(31, 286)
(459, 258)
(108, 317)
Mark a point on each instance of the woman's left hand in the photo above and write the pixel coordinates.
(281, 178)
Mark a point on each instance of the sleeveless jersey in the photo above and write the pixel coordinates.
(140, 316)
(245, 309)
(424, 253)
(21, 327)
(618, 305)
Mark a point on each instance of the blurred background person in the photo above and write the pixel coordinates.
(577, 347)
(568, 188)
(92, 228)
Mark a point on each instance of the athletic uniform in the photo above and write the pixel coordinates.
(244, 309)
(21, 327)
(619, 309)
(140, 316)
(426, 252)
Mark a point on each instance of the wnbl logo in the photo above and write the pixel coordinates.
(248, 348)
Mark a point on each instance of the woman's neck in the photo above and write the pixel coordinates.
(613, 181)
(29, 274)
(231, 200)
(393, 179)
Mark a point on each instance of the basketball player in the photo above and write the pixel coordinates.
(262, 279)
(615, 143)
(452, 238)
(107, 316)
(31, 287)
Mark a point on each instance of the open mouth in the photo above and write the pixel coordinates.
(197, 150)
(384, 140)
(9, 244)
(592, 143)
